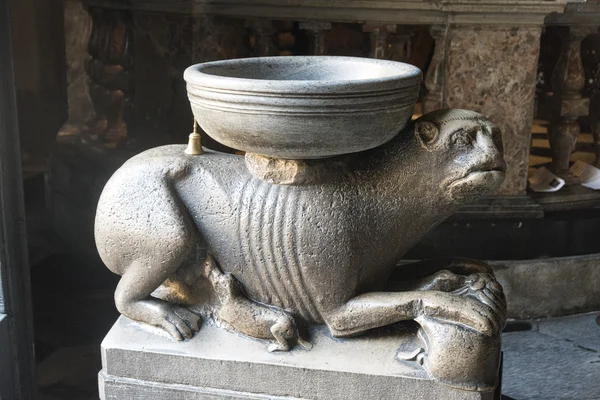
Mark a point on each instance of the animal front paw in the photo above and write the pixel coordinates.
(462, 310)
(179, 322)
(485, 288)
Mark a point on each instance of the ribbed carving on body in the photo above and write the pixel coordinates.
(270, 245)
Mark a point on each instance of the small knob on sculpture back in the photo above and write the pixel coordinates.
(194, 146)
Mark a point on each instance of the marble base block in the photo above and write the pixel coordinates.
(143, 363)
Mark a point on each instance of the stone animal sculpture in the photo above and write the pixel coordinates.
(318, 249)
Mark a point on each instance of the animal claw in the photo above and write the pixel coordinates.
(180, 323)
(273, 347)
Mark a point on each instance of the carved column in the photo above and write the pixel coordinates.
(318, 36)
(568, 81)
(434, 79)
(379, 38)
(110, 48)
(262, 40)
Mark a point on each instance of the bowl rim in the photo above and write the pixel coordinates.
(408, 76)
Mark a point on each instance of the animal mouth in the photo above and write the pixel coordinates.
(496, 167)
(482, 170)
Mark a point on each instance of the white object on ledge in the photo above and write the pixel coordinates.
(543, 180)
(589, 175)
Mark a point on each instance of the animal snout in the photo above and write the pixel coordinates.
(498, 164)
(493, 162)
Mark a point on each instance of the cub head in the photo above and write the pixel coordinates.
(465, 150)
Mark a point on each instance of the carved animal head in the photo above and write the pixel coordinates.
(465, 148)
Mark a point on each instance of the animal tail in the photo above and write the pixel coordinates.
(304, 343)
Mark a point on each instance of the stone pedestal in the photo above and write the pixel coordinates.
(142, 363)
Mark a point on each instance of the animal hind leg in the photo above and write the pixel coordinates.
(157, 244)
(133, 300)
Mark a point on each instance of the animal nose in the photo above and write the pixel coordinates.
(492, 140)
(492, 151)
(495, 161)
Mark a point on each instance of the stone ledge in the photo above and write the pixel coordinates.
(511, 12)
(141, 362)
(114, 388)
(550, 287)
(576, 14)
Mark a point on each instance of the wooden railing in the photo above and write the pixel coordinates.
(480, 48)
(569, 102)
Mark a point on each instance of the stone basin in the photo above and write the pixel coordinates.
(302, 107)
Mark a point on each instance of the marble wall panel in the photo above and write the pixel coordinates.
(492, 70)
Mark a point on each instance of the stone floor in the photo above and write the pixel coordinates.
(555, 359)
(558, 358)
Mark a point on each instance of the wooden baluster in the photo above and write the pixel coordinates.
(568, 81)
(317, 31)
(263, 31)
(595, 93)
(434, 79)
(109, 71)
(78, 38)
(379, 35)
(119, 58)
(595, 125)
(399, 48)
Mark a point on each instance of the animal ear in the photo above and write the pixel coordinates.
(427, 132)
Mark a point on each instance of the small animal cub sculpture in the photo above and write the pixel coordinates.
(315, 251)
(260, 321)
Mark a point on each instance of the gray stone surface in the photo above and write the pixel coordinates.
(559, 359)
(553, 286)
(303, 106)
(140, 362)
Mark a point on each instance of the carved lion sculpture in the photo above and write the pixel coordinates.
(271, 258)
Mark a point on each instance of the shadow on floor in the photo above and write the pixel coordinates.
(73, 310)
